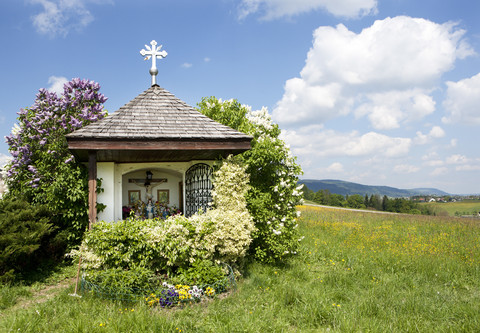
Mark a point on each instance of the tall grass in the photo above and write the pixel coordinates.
(354, 272)
(404, 273)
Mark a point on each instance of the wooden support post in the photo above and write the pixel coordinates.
(92, 188)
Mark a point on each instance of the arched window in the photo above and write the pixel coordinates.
(198, 188)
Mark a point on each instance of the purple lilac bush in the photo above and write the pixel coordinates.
(43, 171)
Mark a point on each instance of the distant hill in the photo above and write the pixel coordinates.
(348, 188)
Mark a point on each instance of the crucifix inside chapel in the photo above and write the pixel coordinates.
(149, 183)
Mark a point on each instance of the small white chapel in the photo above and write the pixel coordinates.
(154, 149)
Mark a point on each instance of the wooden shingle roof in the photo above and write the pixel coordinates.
(156, 122)
(157, 114)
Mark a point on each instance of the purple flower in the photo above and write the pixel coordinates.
(75, 122)
(51, 116)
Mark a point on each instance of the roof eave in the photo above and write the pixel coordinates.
(149, 144)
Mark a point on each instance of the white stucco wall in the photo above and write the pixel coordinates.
(106, 172)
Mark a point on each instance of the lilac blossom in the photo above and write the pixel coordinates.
(41, 128)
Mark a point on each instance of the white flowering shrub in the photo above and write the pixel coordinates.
(4, 174)
(273, 193)
(147, 248)
(232, 224)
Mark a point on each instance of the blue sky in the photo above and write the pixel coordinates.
(371, 91)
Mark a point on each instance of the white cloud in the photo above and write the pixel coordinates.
(432, 159)
(468, 167)
(386, 110)
(375, 143)
(300, 99)
(405, 168)
(434, 163)
(457, 159)
(464, 163)
(461, 162)
(56, 84)
(335, 167)
(329, 143)
(207, 59)
(439, 171)
(462, 101)
(274, 9)
(386, 72)
(430, 156)
(435, 133)
(186, 65)
(60, 16)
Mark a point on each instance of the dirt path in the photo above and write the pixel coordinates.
(42, 295)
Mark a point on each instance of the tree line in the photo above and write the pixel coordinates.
(374, 202)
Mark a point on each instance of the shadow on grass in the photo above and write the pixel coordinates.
(250, 265)
(43, 273)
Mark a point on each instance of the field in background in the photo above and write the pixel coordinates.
(354, 272)
(466, 207)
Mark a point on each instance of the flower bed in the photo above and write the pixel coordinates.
(165, 296)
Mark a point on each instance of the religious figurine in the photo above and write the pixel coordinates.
(140, 209)
(150, 208)
(148, 190)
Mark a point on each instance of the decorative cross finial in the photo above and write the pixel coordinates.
(154, 53)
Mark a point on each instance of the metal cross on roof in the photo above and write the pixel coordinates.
(154, 53)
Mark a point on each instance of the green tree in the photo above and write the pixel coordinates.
(273, 172)
(355, 201)
(308, 194)
(24, 238)
(337, 200)
(324, 197)
(385, 203)
(375, 202)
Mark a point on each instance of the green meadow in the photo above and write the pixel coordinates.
(466, 207)
(353, 272)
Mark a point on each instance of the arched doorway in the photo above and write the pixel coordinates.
(198, 188)
(163, 187)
